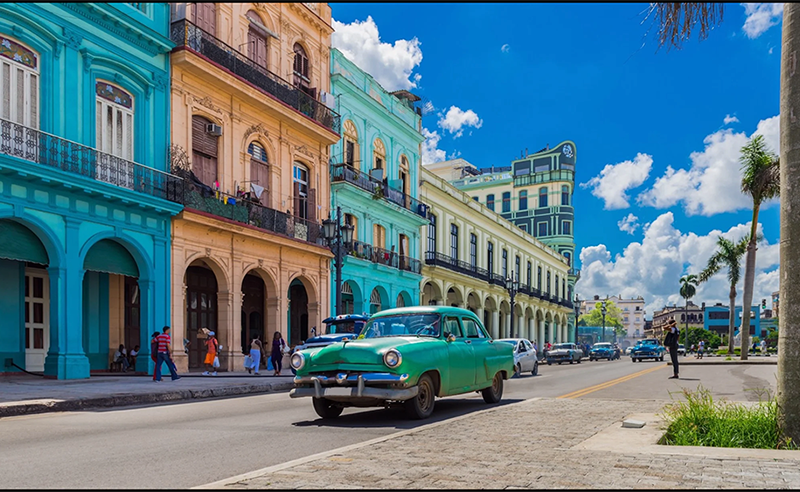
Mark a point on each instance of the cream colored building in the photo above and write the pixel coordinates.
(633, 312)
(471, 250)
(248, 120)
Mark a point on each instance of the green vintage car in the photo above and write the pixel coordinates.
(404, 356)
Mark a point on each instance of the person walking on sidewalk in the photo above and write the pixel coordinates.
(213, 348)
(256, 349)
(763, 347)
(671, 342)
(164, 342)
(701, 346)
(278, 346)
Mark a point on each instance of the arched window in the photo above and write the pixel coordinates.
(303, 199)
(378, 159)
(352, 220)
(256, 39)
(19, 84)
(542, 197)
(302, 71)
(523, 200)
(565, 195)
(351, 144)
(379, 236)
(400, 301)
(259, 173)
(404, 173)
(204, 151)
(375, 301)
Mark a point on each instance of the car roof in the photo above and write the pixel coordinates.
(515, 340)
(346, 317)
(425, 310)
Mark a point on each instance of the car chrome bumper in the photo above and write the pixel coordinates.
(345, 388)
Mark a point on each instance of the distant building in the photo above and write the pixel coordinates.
(692, 311)
(632, 312)
(716, 319)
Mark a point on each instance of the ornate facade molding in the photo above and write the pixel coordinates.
(102, 19)
(73, 38)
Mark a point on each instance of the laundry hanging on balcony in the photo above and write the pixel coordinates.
(258, 190)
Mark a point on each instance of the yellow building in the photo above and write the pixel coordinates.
(471, 251)
(250, 133)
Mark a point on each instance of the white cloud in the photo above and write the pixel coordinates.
(615, 179)
(629, 224)
(730, 119)
(652, 268)
(712, 184)
(505, 48)
(456, 119)
(760, 17)
(391, 64)
(430, 148)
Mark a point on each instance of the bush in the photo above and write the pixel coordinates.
(700, 421)
(772, 350)
(722, 351)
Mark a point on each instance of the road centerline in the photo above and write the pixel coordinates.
(608, 384)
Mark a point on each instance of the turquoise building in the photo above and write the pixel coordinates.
(85, 197)
(375, 180)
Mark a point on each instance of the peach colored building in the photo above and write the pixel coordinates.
(250, 134)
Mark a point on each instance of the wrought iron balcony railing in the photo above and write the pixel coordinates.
(184, 33)
(346, 173)
(59, 153)
(252, 213)
(386, 257)
(433, 258)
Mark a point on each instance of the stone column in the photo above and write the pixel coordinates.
(496, 323)
(227, 302)
(479, 313)
(531, 329)
(551, 333)
(148, 326)
(178, 329)
(540, 338)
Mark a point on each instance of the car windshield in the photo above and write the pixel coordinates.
(348, 326)
(562, 346)
(402, 325)
(602, 345)
(648, 342)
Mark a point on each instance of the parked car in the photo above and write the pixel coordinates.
(603, 350)
(648, 348)
(406, 356)
(629, 350)
(525, 359)
(681, 349)
(564, 352)
(337, 328)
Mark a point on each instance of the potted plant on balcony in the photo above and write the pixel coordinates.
(378, 193)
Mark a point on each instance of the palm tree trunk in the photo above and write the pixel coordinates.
(789, 320)
(731, 318)
(686, 335)
(749, 278)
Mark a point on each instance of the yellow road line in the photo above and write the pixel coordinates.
(607, 384)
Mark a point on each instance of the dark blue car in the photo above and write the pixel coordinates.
(603, 350)
(337, 328)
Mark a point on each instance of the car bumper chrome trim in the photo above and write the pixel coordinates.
(358, 391)
(349, 379)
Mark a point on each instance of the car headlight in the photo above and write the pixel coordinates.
(298, 360)
(392, 358)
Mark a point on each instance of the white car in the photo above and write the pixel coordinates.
(629, 350)
(525, 359)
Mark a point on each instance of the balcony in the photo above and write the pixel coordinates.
(251, 213)
(185, 34)
(544, 177)
(70, 157)
(385, 257)
(439, 259)
(345, 173)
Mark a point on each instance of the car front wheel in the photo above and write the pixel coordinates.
(494, 393)
(421, 406)
(326, 409)
(535, 371)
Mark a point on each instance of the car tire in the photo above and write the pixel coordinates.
(325, 408)
(661, 358)
(518, 370)
(421, 406)
(633, 359)
(591, 359)
(494, 393)
(535, 371)
(549, 363)
(579, 360)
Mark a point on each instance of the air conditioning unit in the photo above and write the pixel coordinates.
(213, 129)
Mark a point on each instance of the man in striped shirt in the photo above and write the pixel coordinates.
(164, 355)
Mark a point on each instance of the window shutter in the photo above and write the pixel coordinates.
(259, 173)
(296, 198)
(202, 141)
(312, 205)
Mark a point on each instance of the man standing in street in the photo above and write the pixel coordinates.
(671, 342)
(164, 343)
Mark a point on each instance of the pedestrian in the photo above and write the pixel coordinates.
(671, 342)
(132, 356)
(121, 357)
(154, 351)
(763, 347)
(212, 345)
(700, 348)
(753, 348)
(164, 342)
(691, 349)
(278, 347)
(256, 349)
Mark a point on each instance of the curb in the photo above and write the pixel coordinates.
(45, 406)
(727, 363)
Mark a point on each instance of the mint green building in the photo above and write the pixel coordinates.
(375, 180)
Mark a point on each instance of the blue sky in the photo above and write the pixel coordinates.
(525, 75)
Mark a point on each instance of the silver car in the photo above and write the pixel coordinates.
(525, 359)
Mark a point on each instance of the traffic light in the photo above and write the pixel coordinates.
(763, 304)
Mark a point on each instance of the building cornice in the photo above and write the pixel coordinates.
(112, 23)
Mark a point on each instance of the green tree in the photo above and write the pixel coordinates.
(728, 254)
(760, 180)
(594, 317)
(688, 290)
(695, 334)
(676, 22)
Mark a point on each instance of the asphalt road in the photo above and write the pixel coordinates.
(187, 444)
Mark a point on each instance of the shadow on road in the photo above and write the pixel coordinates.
(396, 417)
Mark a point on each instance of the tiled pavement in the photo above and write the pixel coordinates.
(523, 445)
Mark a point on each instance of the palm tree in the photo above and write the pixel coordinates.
(760, 180)
(728, 255)
(688, 290)
(676, 22)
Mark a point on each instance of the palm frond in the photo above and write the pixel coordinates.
(760, 170)
(677, 21)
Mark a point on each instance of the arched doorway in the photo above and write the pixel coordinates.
(352, 300)
(489, 316)
(505, 319)
(431, 295)
(378, 300)
(253, 308)
(298, 312)
(201, 310)
(403, 299)
(454, 297)
(472, 302)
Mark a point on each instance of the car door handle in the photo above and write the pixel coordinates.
(468, 341)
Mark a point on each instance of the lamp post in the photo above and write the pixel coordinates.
(603, 312)
(577, 309)
(340, 239)
(512, 286)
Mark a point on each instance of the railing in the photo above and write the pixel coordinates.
(252, 213)
(56, 152)
(544, 177)
(344, 172)
(438, 259)
(386, 257)
(184, 33)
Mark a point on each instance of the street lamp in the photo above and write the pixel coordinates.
(340, 239)
(603, 312)
(577, 308)
(512, 286)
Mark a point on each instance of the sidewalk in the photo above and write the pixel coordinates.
(26, 394)
(539, 443)
(690, 360)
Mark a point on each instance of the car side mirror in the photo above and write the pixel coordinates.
(451, 337)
